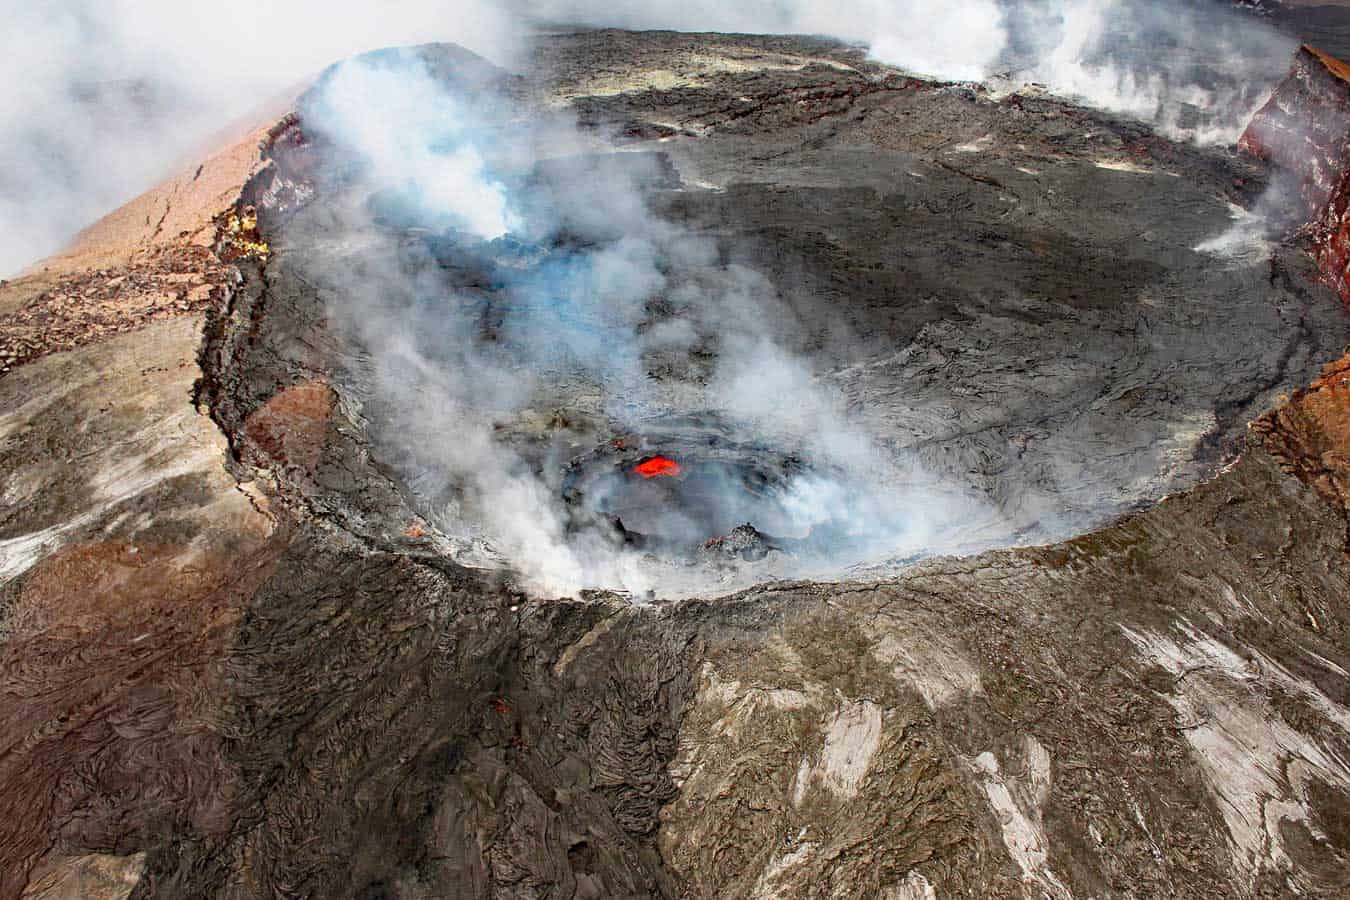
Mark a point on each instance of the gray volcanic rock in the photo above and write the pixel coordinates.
(1007, 290)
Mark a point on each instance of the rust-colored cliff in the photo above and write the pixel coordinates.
(1305, 129)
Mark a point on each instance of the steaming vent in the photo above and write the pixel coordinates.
(595, 364)
(1305, 130)
(689, 492)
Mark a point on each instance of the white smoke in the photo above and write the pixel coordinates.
(158, 75)
(1191, 67)
(106, 97)
(445, 400)
(396, 125)
(1196, 72)
(958, 40)
(430, 157)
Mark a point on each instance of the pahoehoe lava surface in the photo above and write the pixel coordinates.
(280, 678)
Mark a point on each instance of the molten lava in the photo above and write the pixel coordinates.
(657, 466)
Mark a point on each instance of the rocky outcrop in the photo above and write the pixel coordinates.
(156, 258)
(1304, 122)
(1309, 434)
(1305, 129)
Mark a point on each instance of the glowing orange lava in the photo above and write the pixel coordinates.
(657, 466)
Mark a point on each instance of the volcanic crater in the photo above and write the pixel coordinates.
(429, 594)
(1022, 329)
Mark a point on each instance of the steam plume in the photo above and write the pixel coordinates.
(580, 261)
(109, 96)
(1196, 71)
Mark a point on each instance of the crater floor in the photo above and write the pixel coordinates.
(1038, 317)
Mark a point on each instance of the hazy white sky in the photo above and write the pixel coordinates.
(114, 93)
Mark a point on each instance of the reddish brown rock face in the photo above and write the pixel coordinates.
(288, 429)
(1304, 121)
(1310, 434)
(1305, 128)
